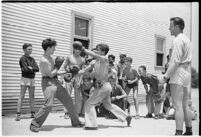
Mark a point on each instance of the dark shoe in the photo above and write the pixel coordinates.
(90, 128)
(34, 128)
(178, 134)
(161, 116)
(188, 133)
(149, 115)
(156, 117)
(79, 125)
(81, 115)
(33, 115)
(128, 119)
(18, 117)
(170, 117)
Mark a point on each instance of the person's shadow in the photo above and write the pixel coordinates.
(51, 127)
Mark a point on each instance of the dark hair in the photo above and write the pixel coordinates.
(48, 43)
(77, 45)
(26, 45)
(144, 68)
(86, 76)
(111, 56)
(103, 47)
(178, 21)
(111, 63)
(122, 55)
(129, 59)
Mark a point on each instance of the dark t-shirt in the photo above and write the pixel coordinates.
(151, 80)
(26, 61)
(131, 74)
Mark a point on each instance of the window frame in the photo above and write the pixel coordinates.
(160, 52)
(84, 16)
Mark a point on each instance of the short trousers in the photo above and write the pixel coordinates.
(27, 82)
(181, 76)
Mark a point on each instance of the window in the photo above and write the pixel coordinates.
(160, 48)
(82, 28)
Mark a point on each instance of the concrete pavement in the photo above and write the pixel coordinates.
(55, 124)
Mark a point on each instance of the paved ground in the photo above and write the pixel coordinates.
(57, 125)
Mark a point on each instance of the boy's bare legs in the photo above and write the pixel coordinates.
(177, 94)
(187, 112)
(19, 103)
(31, 100)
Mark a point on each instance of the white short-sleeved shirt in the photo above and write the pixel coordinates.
(181, 54)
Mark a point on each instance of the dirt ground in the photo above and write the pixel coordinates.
(55, 124)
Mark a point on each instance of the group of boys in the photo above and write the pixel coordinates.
(105, 81)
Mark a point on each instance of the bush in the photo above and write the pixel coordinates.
(194, 78)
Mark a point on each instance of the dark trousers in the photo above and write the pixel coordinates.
(52, 88)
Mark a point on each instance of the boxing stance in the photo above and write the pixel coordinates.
(102, 89)
(52, 87)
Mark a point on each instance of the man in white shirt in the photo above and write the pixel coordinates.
(179, 72)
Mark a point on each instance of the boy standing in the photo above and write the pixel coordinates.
(179, 72)
(75, 60)
(102, 89)
(131, 78)
(52, 88)
(120, 67)
(28, 67)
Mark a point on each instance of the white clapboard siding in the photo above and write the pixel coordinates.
(126, 27)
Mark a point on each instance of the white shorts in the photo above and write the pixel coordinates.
(27, 82)
(181, 76)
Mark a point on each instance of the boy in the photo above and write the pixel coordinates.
(28, 67)
(120, 67)
(102, 89)
(111, 59)
(118, 95)
(131, 78)
(74, 60)
(179, 72)
(85, 90)
(52, 87)
(155, 95)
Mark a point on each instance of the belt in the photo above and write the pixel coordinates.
(186, 64)
(47, 77)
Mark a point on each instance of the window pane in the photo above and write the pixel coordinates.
(81, 27)
(159, 59)
(160, 43)
(85, 43)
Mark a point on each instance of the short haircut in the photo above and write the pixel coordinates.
(77, 45)
(178, 21)
(26, 45)
(48, 43)
(111, 56)
(86, 77)
(103, 47)
(143, 66)
(112, 77)
(122, 55)
(129, 59)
